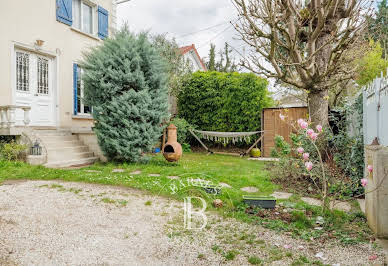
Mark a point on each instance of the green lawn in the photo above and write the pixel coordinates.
(234, 171)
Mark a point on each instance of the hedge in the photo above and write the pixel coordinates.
(229, 102)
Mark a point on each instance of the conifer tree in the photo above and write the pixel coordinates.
(125, 80)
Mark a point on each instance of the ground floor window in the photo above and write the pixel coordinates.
(79, 107)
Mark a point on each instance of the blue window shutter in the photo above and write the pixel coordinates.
(103, 23)
(65, 11)
(75, 78)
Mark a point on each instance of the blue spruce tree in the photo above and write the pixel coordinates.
(125, 82)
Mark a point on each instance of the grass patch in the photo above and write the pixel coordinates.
(231, 254)
(148, 203)
(255, 260)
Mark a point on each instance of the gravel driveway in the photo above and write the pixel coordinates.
(62, 223)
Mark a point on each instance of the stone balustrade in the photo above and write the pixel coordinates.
(8, 115)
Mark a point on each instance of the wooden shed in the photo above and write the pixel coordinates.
(272, 125)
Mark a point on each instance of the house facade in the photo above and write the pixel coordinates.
(41, 46)
(191, 55)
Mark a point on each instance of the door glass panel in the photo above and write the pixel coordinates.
(43, 76)
(87, 18)
(22, 71)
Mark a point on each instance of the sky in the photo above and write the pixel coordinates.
(181, 18)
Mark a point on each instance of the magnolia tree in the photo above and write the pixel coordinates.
(320, 177)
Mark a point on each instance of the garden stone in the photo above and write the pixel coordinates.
(341, 206)
(249, 189)
(118, 171)
(337, 205)
(225, 185)
(361, 202)
(281, 195)
(312, 201)
(154, 175)
(137, 172)
(92, 171)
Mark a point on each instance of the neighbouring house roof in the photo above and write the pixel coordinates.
(189, 48)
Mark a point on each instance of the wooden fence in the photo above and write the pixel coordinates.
(272, 125)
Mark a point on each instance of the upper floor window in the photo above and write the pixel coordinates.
(83, 16)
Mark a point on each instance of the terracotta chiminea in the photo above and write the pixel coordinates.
(172, 150)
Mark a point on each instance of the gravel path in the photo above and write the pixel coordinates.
(62, 223)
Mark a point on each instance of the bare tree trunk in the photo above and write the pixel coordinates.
(319, 107)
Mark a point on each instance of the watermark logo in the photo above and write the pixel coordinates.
(188, 213)
(196, 190)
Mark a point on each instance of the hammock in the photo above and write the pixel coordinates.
(227, 137)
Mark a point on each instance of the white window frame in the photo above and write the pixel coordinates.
(33, 73)
(94, 17)
(81, 112)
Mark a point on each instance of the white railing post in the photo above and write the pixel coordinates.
(3, 117)
(26, 115)
(11, 116)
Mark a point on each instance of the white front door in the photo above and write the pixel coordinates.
(34, 87)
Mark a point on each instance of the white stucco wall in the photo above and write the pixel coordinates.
(193, 59)
(22, 22)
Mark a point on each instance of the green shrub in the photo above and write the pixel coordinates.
(282, 148)
(348, 150)
(183, 130)
(12, 151)
(227, 102)
(125, 81)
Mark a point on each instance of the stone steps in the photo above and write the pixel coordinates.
(72, 163)
(64, 149)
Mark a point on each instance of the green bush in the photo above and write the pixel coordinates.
(348, 151)
(183, 130)
(227, 102)
(12, 151)
(125, 81)
(282, 148)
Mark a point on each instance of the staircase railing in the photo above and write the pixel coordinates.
(8, 115)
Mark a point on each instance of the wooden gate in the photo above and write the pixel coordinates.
(272, 125)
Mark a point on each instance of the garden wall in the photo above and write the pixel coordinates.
(273, 125)
(375, 124)
(376, 202)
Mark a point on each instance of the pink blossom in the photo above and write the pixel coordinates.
(314, 136)
(319, 128)
(364, 182)
(370, 168)
(287, 246)
(302, 123)
(306, 156)
(309, 165)
(309, 131)
(282, 117)
(300, 150)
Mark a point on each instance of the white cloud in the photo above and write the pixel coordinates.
(181, 17)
